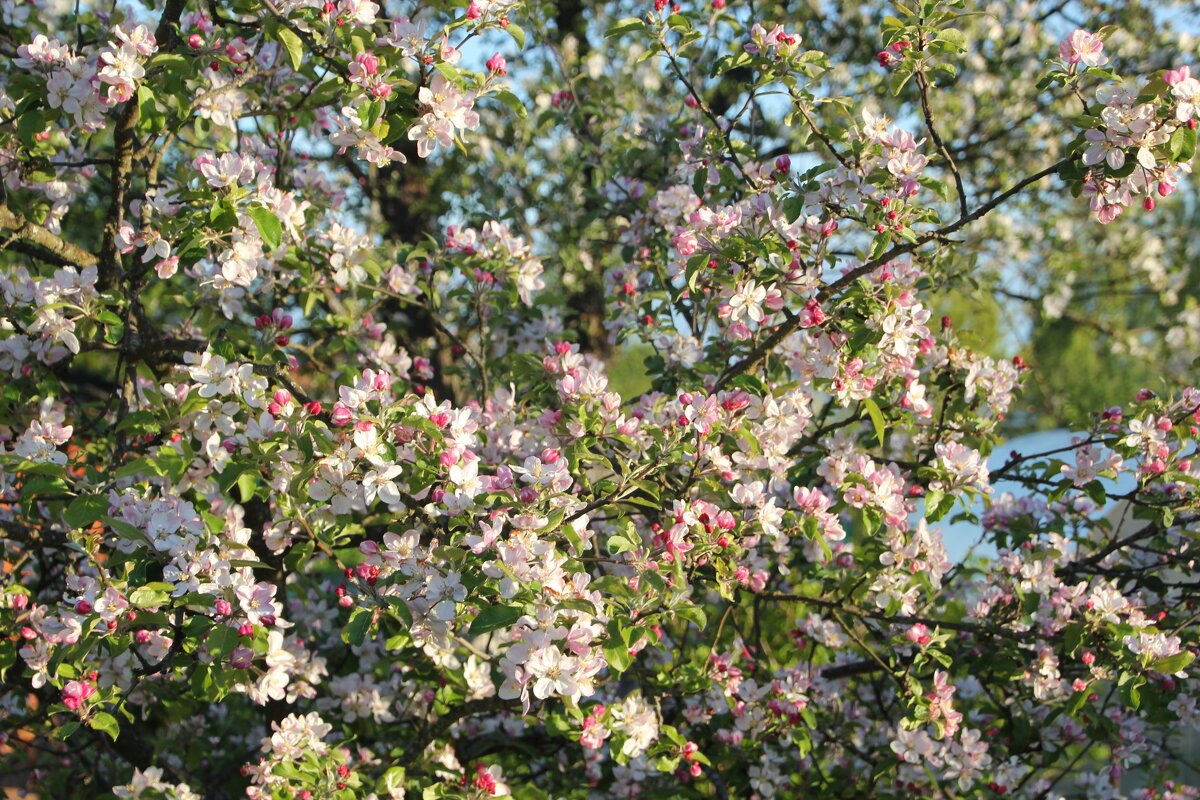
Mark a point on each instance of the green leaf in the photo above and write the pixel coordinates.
(221, 641)
(102, 721)
(953, 37)
(513, 102)
(268, 226)
(145, 96)
(85, 510)
(616, 647)
(246, 484)
(693, 614)
(1182, 144)
(1072, 638)
(876, 418)
(517, 33)
(360, 623)
(793, 207)
(145, 597)
(138, 421)
(391, 783)
(491, 618)
(1172, 664)
(31, 124)
(291, 42)
(617, 654)
(126, 530)
(933, 505)
(166, 61)
(879, 244)
(619, 544)
(627, 25)
(8, 657)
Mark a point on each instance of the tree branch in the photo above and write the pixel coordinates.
(46, 245)
(785, 329)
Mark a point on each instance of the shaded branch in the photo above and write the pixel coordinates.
(41, 243)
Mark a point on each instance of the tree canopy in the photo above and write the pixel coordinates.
(566, 400)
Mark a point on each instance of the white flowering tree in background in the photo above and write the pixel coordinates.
(562, 401)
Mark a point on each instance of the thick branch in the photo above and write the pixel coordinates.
(906, 619)
(47, 245)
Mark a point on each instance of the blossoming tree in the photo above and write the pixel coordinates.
(298, 502)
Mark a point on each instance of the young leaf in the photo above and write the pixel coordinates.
(269, 227)
(492, 618)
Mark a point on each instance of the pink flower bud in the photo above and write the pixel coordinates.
(342, 415)
(497, 65)
(75, 692)
(195, 41)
